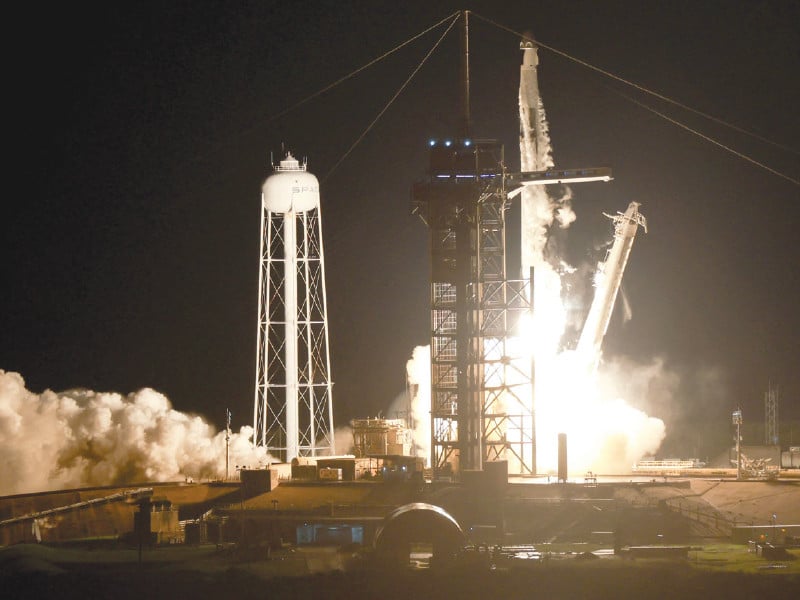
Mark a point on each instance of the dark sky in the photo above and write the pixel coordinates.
(141, 134)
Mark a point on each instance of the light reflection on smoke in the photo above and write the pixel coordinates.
(605, 433)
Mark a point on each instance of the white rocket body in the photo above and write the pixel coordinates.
(534, 139)
(535, 155)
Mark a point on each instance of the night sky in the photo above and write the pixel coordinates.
(141, 134)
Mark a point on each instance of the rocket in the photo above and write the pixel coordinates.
(534, 139)
(535, 155)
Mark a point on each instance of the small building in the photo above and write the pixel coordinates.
(372, 437)
(156, 521)
(258, 481)
(337, 468)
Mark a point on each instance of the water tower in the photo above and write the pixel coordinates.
(293, 411)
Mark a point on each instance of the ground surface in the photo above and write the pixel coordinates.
(754, 501)
(29, 571)
(712, 570)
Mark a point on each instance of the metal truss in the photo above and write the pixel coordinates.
(476, 386)
(307, 428)
(771, 434)
(509, 431)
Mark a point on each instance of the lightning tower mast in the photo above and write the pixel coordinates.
(771, 436)
(227, 443)
(293, 409)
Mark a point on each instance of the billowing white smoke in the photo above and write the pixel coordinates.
(539, 212)
(82, 438)
(343, 440)
(605, 433)
(418, 373)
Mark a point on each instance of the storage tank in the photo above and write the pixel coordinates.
(293, 408)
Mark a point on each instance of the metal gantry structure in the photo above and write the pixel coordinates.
(293, 408)
(463, 203)
(481, 404)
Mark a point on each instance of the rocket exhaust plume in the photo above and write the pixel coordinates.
(607, 434)
(77, 438)
(418, 377)
(539, 209)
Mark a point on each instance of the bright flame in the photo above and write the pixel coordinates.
(604, 433)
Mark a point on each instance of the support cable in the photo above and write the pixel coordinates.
(361, 68)
(641, 88)
(330, 86)
(708, 139)
(391, 100)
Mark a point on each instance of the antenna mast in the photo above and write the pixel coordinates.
(465, 116)
(227, 442)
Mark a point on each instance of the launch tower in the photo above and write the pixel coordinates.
(293, 409)
(479, 411)
(463, 203)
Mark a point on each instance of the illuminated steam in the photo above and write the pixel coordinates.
(605, 433)
(57, 440)
(343, 442)
(418, 373)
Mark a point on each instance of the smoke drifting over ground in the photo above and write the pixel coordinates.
(418, 372)
(343, 440)
(58, 440)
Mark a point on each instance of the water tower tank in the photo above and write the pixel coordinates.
(290, 188)
(293, 410)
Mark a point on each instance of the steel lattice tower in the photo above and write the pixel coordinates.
(478, 412)
(481, 388)
(771, 436)
(293, 409)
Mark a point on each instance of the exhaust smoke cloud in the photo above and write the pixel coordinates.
(76, 438)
